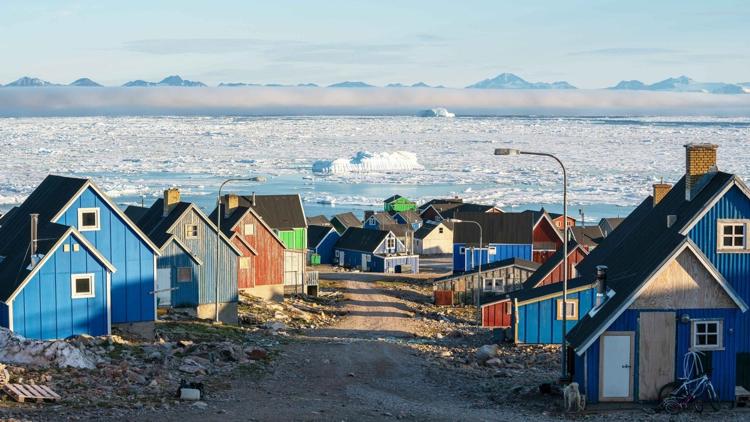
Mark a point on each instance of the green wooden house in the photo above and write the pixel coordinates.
(398, 203)
(286, 216)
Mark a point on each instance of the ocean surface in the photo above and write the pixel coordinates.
(611, 162)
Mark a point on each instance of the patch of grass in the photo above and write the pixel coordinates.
(201, 331)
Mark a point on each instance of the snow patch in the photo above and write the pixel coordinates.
(369, 162)
(15, 349)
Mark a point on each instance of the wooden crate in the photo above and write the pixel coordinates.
(27, 392)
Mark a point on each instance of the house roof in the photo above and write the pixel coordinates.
(7, 215)
(646, 244)
(427, 228)
(281, 212)
(135, 212)
(550, 264)
(400, 230)
(613, 221)
(229, 222)
(589, 236)
(318, 220)
(359, 239)
(508, 262)
(410, 216)
(511, 228)
(392, 198)
(440, 201)
(316, 234)
(348, 219)
(538, 293)
(382, 218)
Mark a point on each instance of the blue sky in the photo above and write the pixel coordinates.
(588, 43)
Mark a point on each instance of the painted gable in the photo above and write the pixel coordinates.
(684, 283)
(132, 284)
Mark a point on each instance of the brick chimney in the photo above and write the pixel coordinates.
(171, 199)
(230, 203)
(660, 191)
(700, 160)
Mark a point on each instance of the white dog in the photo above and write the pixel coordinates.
(574, 401)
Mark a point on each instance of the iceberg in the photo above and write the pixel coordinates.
(436, 112)
(369, 162)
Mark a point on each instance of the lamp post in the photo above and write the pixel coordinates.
(218, 239)
(476, 291)
(511, 151)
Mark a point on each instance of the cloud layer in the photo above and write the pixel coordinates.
(70, 101)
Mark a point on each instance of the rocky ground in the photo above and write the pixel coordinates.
(369, 348)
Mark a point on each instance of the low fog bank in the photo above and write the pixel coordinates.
(291, 101)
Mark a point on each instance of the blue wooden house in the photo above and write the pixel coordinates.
(409, 217)
(186, 269)
(673, 276)
(377, 220)
(89, 254)
(374, 250)
(320, 241)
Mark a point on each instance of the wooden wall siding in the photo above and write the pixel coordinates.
(45, 309)
(326, 246)
(685, 284)
(268, 266)
(174, 257)
(656, 351)
(435, 242)
(557, 275)
(497, 315)
(502, 251)
(294, 267)
(134, 280)
(204, 247)
(294, 239)
(381, 264)
(464, 284)
(429, 214)
(538, 323)
(723, 362)
(546, 236)
(400, 204)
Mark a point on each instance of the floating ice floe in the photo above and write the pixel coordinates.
(369, 162)
(436, 112)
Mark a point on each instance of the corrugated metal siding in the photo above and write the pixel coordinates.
(45, 309)
(173, 257)
(464, 262)
(134, 279)
(538, 323)
(294, 239)
(388, 264)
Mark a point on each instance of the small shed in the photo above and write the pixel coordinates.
(498, 277)
(321, 241)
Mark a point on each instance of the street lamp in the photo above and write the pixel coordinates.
(512, 151)
(476, 291)
(218, 238)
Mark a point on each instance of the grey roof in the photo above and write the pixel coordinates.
(427, 228)
(347, 219)
(382, 217)
(508, 262)
(318, 220)
(359, 239)
(280, 212)
(155, 224)
(399, 230)
(511, 228)
(640, 245)
(613, 221)
(440, 201)
(7, 215)
(392, 198)
(135, 212)
(549, 265)
(410, 216)
(589, 236)
(315, 234)
(228, 221)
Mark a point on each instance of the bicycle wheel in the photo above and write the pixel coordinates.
(712, 398)
(672, 405)
(666, 390)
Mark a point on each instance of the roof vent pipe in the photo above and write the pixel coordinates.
(671, 219)
(253, 200)
(34, 239)
(601, 284)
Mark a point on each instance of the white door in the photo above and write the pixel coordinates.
(163, 286)
(616, 358)
(341, 257)
(365, 260)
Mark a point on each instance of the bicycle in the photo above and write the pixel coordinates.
(691, 389)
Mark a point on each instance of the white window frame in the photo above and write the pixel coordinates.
(177, 274)
(88, 295)
(491, 250)
(720, 247)
(97, 214)
(189, 232)
(719, 334)
(249, 229)
(573, 315)
(440, 230)
(462, 250)
(390, 244)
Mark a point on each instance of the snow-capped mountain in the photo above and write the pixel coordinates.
(29, 82)
(173, 80)
(511, 81)
(683, 84)
(351, 84)
(84, 82)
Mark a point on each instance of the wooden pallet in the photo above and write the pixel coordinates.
(741, 397)
(27, 392)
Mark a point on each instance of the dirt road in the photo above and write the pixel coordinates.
(360, 369)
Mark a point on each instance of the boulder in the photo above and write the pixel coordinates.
(486, 352)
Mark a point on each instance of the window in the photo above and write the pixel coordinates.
(88, 219)
(82, 286)
(249, 229)
(191, 231)
(461, 250)
(508, 308)
(390, 244)
(732, 235)
(440, 230)
(492, 250)
(66, 247)
(707, 335)
(572, 309)
(184, 274)
(244, 263)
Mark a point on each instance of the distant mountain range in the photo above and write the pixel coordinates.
(501, 81)
(511, 81)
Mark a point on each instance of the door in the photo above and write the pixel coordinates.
(657, 333)
(163, 286)
(616, 366)
(340, 257)
(365, 262)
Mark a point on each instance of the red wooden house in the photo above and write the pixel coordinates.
(261, 268)
(547, 239)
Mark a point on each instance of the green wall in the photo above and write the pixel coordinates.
(399, 205)
(294, 239)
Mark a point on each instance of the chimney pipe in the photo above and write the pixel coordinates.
(253, 200)
(601, 284)
(660, 190)
(700, 160)
(34, 235)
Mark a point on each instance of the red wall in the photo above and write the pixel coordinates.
(556, 276)
(497, 315)
(268, 267)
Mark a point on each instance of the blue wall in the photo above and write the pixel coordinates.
(4, 315)
(399, 219)
(133, 281)
(45, 309)
(382, 264)
(463, 262)
(325, 248)
(538, 323)
(173, 257)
